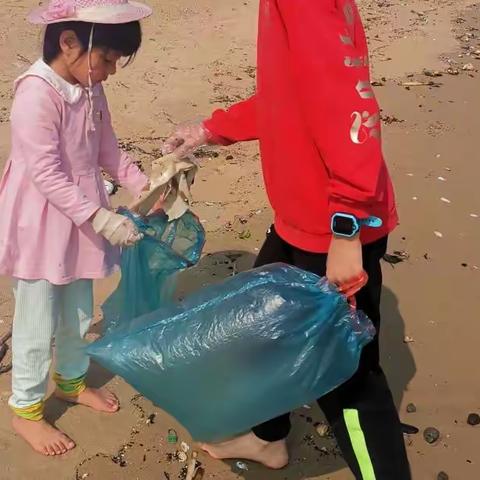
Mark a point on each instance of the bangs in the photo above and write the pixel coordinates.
(125, 38)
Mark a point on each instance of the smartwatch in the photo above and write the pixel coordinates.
(347, 225)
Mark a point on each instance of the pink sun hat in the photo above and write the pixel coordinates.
(93, 11)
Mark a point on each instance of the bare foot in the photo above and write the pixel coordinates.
(42, 437)
(249, 447)
(99, 399)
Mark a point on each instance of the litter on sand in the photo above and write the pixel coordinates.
(172, 436)
(323, 430)
(242, 466)
(182, 457)
(420, 84)
(192, 467)
(398, 256)
(109, 187)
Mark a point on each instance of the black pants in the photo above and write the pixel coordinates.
(361, 412)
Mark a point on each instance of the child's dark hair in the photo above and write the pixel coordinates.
(125, 38)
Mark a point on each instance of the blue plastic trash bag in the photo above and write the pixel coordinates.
(239, 353)
(148, 268)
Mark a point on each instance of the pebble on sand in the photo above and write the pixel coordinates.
(431, 435)
(473, 419)
(452, 71)
(411, 408)
(469, 67)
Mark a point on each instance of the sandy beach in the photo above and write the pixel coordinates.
(199, 55)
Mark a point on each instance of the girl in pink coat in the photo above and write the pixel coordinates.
(57, 230)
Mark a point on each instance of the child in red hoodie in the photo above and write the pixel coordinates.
(315, 106)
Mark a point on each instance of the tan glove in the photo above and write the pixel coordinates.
(117, 229)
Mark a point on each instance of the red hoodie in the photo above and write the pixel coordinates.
(317, 121)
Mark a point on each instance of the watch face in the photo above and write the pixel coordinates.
(343, 225)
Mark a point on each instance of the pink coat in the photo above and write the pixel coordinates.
(52, 182)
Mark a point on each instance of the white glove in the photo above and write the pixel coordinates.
(119, 230)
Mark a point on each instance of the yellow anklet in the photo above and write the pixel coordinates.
(71, 388)
(32, 412)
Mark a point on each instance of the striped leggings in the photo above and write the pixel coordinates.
(44, 312)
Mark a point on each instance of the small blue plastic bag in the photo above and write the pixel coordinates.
(149, 268)
(239, 353)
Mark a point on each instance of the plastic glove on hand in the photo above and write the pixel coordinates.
(117, 229)
(186, 138)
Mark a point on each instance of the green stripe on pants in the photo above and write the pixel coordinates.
(359, 444)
